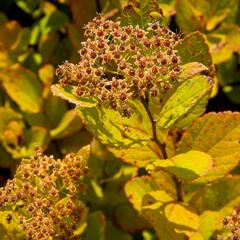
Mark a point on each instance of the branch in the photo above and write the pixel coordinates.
(162, 147)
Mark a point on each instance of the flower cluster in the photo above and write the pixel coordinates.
(119, 63)
(44, 195)
(232, 223)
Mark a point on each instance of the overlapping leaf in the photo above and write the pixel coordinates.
(23, 87)
(69, 94)
(187, 166)
(183, 101)
(69, 124)
(218, 135)
(160, 209)
(193, 48)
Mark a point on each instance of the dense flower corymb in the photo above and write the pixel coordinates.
(44, 196)
(118, 63)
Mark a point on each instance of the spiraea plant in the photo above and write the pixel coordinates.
(42, 201)
(141, 90)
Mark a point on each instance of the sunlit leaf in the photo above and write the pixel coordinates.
(193, 48)
(188, 166)
(23, 87)
(224, 42)
(218, 135)
(69, 125)
(69, 94)
(183, 101)
(159, 209)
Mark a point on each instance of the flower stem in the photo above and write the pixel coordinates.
(162, 147)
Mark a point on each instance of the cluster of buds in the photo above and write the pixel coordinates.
(44, 196)
(232, 223)
(119, 63)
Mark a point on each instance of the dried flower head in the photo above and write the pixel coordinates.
(44, 195)
(232, 223)
(119, 63)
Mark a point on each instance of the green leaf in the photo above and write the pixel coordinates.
(27, 5)
(69, 93)
(232, 92)
(23, 87)
(123, 136)
(211, 221)
(139, 12)
(47, 45)
(226, 69)
(183, 101)
(218, 135)
(134, 222)
(215, 196)
(5, 158)
(69, 125)
(115, 233)
(55, 108)
(186, 14)
(193, 48)
(53, 21)
(187, 166)
(74, 142)
(159, 209)
(96, 224)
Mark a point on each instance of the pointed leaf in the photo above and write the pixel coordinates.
(69, 94)
(188, 166)
(96, 224)
(23, 87)
(224, 42)
(123, 136)
(193, 48)
(218, 135)
(159, 209)
(184, 100)
(69, 125)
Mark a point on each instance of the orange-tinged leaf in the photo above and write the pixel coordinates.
(23, 87)
(217, 134)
